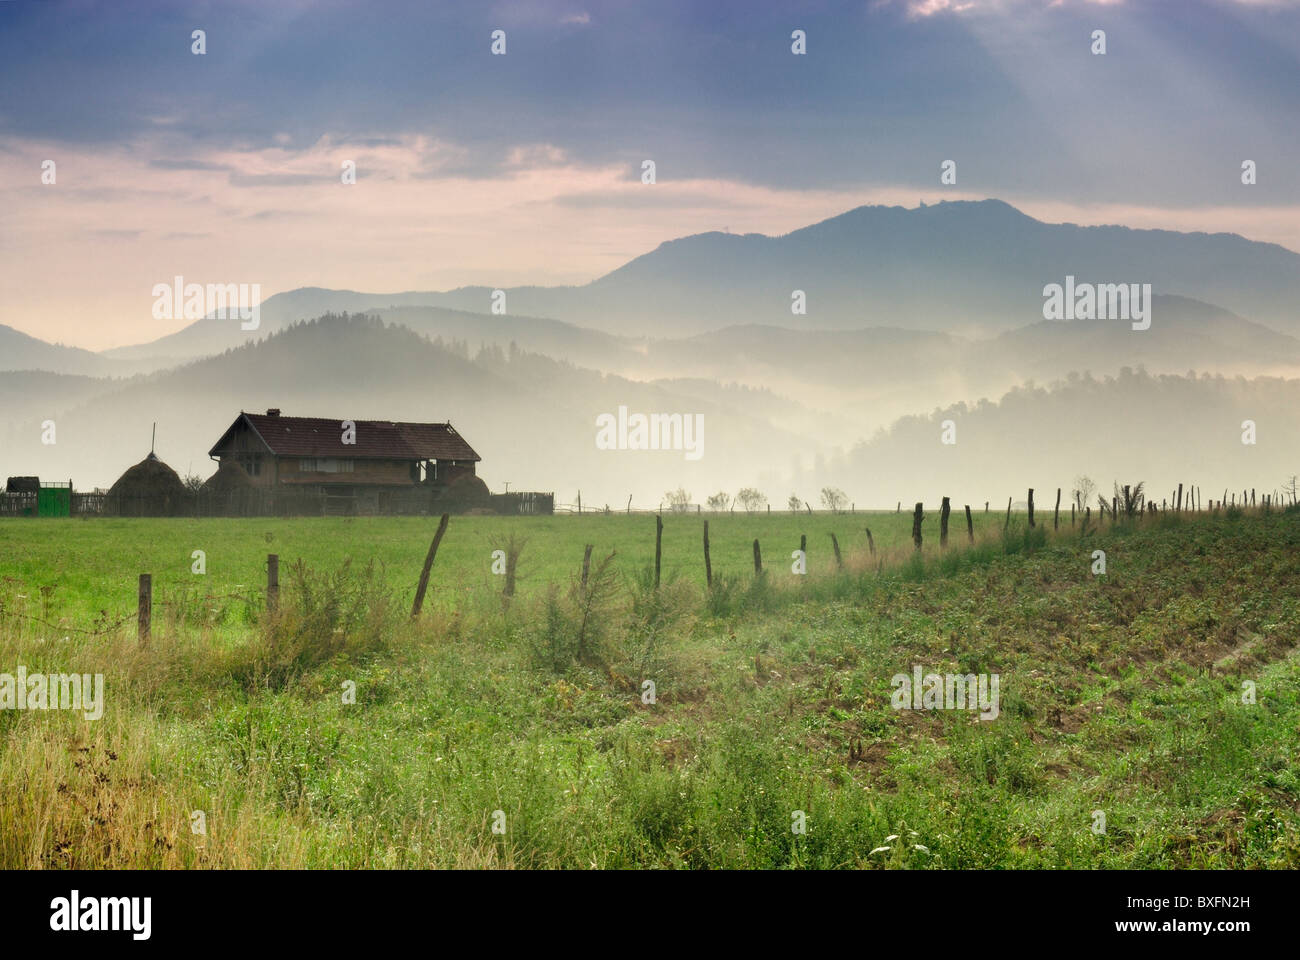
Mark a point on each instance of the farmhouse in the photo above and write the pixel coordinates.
(352, 466)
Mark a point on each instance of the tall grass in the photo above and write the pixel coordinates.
(772, 699)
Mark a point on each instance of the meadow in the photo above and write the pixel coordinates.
(515, 732)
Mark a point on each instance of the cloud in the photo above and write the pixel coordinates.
(187, 165)
(274, 179)
(643, 197)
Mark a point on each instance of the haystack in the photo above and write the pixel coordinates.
(149, 489)
(230, 478)
(465, 492)
(230, 492)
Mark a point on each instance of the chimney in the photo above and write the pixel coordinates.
(273, 412)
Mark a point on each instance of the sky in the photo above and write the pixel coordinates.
(525, 168)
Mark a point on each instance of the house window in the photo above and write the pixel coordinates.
(324, 465)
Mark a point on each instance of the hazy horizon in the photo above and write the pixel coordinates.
(474, 169)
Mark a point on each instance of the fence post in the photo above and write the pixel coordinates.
(916, 526)
(428, 565)
(512, 565)
(970, 527)
(871, 543)
(586, 568)
(1007, 525)
(1179, 508)
(1031, 506)
(758, 559)
(944, 510)
(803, 544)
(144, 611)
(1056, 515)
(839, 559)
(708, 564)
(272, 583)
(659, 536)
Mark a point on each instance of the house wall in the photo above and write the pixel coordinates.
(363, 472)
(249, 452)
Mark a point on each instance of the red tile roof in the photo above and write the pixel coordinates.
(375, 439)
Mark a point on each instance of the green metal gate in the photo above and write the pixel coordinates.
(54, 500)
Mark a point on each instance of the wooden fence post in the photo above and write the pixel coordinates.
(659, 538)
(871, 543)
(839, 559)
(428, 565)
(758, 559)
(916, 526)
(144, 611)
(944, 510)
(1056, 515)
(1031, 506)
(586, 568)
(1007, 525)
(970, 527)
(272, 583)
(1071, 516)
(708, 564)
(512, 561)
(1179, 507)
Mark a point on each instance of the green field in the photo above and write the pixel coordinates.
(93, 565)
(1120, 693)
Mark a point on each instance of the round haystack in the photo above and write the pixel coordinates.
(149, 489)
(230, 492)
(229, 478)
(466, 492)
